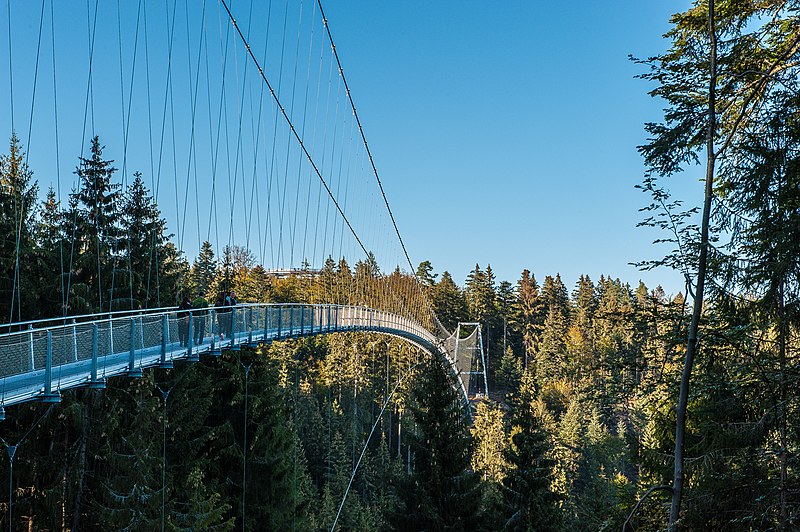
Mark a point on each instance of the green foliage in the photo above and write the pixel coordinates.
(529, 502)
(442, 493)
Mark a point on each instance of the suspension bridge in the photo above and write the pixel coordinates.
(243, 123)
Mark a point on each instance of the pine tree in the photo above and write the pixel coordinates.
(510, 371)
(449, 302)
(51, 257)
(530, 504)
(96, 229)
(145, 240)
(425, 273)
(490, 441)
(203, 271)
(18, 201)
(442, 493)
(529, 315)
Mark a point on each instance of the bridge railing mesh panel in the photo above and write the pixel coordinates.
(72, 345)
(150, 331)
(15, 354)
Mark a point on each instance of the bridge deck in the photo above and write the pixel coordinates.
(39, 362)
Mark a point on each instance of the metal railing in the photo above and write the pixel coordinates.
(38, 362)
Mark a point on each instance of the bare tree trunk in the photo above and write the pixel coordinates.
(691, 343)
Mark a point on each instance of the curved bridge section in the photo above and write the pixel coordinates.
(46, 357)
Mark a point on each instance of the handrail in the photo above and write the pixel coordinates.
(81, 316)
(124, 343)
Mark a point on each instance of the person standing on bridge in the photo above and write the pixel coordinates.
(222, 314)
(199, 319)
(183, 321)
(230, 302)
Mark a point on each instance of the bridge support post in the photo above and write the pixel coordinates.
(164, 363)
(49, 396)
(191, 356)
(30, 343)
(213, 315)
(2, 413)
(94, 382)
(249, 325)
(133, 371)
(233, 327)
(302, 320)
(74, 342)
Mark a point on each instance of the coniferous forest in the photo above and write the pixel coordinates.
(612, 405)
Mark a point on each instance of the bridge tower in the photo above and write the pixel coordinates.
(469, 359)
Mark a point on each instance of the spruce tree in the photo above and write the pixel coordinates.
(96, 231)
(202, 272)
(529, 314)
(530, 504)
(18, 201)
(145, 240)
(442, 493)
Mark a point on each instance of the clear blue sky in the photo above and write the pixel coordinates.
(520, 120)
(504, 132)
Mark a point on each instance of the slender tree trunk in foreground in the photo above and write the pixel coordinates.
(691, 343)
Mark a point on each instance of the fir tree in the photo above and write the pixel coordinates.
(18, 202)
(96, 230)
(530, 504)
(203, 271)
(442, 493)
(529, 315)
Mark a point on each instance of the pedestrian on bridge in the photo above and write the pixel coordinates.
(222, 315)
(183, 321)
(200, 316)
(230, 302)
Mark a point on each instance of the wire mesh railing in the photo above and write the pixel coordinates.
(38, 362)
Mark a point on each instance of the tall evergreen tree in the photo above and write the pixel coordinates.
(203, 271)
(529, 315)
(96, 230)
(529, 502)
(145, 241)
(442, 493)
(18, 201)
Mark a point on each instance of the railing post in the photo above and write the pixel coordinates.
(74, 342)
(190, 356)
(291, 320)
(249, 325)
(141, 331)
(164, 340)
(280, 320)
(302, 319)
(30, 342)
(213, 315)
(132, 370)
(49, 396)
(233, 326)
(95, 383)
